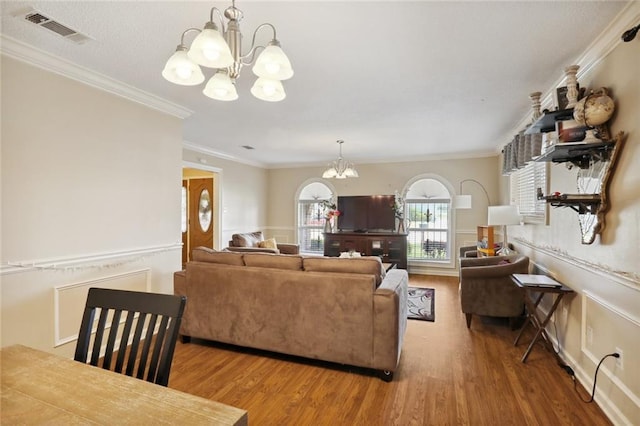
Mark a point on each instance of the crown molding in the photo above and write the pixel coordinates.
(191, 146)
(31, 55)
(608, 40)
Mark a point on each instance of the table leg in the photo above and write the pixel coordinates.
(531, 308)
(541, 326)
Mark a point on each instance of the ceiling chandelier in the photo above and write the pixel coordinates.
(213, 50)
(340, 169)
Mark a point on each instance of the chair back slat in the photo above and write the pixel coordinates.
(122, 349)
(149, 311)
(157, 347)
(167, 353)
(97, 341)
(111, 340)
(135, 344)
(146, 344)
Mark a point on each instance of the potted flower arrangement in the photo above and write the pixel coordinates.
(398, 210)
(330, 211)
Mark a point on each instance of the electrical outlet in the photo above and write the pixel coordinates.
(589, 335)
(620, 359)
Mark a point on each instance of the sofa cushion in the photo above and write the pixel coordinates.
(204, 254)
(357, 265)
(248, 239)
(275, 261)
(268, 243)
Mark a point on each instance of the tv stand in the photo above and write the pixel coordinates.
(391, 247)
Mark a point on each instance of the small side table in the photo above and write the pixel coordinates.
(534, 291)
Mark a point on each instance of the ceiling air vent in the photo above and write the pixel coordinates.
(249, 147)
(41, 20)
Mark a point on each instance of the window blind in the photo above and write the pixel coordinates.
(524, 183)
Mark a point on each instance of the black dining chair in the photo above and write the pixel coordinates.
(145, 312)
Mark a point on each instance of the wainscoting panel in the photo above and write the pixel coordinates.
(70, 299)
(604, 330)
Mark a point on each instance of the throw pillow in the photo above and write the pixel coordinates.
(250, 239)
(268, 243)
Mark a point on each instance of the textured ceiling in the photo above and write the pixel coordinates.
(397, 80)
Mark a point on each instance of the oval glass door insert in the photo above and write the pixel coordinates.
(204, 210)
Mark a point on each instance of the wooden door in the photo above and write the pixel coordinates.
(200, 213)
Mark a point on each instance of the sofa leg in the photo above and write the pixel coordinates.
(468, 320)
(386, 375)
(185, 339)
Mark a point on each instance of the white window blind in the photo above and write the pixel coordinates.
(524, 184)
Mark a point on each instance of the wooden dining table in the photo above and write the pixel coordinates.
(38, 387)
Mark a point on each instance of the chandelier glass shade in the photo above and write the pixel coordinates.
(223, 52)
(340, 169)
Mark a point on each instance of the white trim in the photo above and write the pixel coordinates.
(61, 340)
(41, 59)
(191, 146)
(609, 408)
(583, 347)
(628, 279)
(597, 50)
(80, 262)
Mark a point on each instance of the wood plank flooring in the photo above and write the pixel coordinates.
(448, 375)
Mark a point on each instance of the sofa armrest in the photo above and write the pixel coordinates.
(286, 248)
(180, 289)
(390, 318)
(253, 250)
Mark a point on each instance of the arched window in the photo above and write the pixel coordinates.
(428, 219)
(310, 216)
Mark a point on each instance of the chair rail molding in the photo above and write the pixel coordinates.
(626, 278)
(91, 261)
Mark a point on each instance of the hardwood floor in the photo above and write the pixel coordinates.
(448, 375)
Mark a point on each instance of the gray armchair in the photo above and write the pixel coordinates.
(486, 287)
(252, 242)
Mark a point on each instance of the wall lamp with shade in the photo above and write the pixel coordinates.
(503, 216)
(223, 52)
(464, 201)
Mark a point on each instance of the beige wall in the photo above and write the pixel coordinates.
(606, 274)
(385, 178)
(90, 196)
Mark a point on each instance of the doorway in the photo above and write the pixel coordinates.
(198, 210)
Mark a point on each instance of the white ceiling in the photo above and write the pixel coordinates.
(397, 80)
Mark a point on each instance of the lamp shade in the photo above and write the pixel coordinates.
(268, 90)
(351, 172)
(503, 215)
(329, 173)
(179, 69)
(221, 87)
(462, 202)
(210, 50)
(273, 64)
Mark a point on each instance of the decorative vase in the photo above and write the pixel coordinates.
(400, 226)
(327, 226)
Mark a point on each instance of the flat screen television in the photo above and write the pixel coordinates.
(366, 213)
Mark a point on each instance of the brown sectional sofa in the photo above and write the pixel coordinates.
(347, 311)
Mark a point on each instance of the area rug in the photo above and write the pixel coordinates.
(421, 304)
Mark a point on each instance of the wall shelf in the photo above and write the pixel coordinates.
(547, 122)
(580, 154)
(596, 162)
